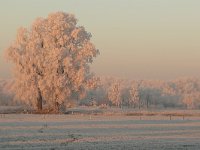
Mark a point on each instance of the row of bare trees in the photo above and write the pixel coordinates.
(182, 93)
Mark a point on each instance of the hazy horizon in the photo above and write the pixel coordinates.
(137, 39)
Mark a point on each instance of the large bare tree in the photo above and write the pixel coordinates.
(51, 60)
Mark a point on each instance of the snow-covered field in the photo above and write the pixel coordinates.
(28, 131)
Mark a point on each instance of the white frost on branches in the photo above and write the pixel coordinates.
(52, 60)
(134, 94)
(114, 93)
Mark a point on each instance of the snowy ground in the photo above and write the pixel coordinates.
(28, 131)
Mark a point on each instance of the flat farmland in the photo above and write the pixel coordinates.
(32, 131)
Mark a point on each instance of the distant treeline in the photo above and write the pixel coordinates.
(179, 93)
(6, 93)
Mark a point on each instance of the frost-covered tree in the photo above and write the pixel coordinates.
(134, 99)
(114, 93)
(189, 91)
(51, 60)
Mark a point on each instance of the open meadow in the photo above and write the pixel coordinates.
(100, 131)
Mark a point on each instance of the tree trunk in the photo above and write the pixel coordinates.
(147, 104)
(139, 104)
(56, 107)
(39, 100)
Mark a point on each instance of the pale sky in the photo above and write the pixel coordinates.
(138, 39)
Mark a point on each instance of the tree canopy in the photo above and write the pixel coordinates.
(51, 61)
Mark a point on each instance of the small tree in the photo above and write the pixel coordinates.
(134, 95)
(114, 93)
(52, 60)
